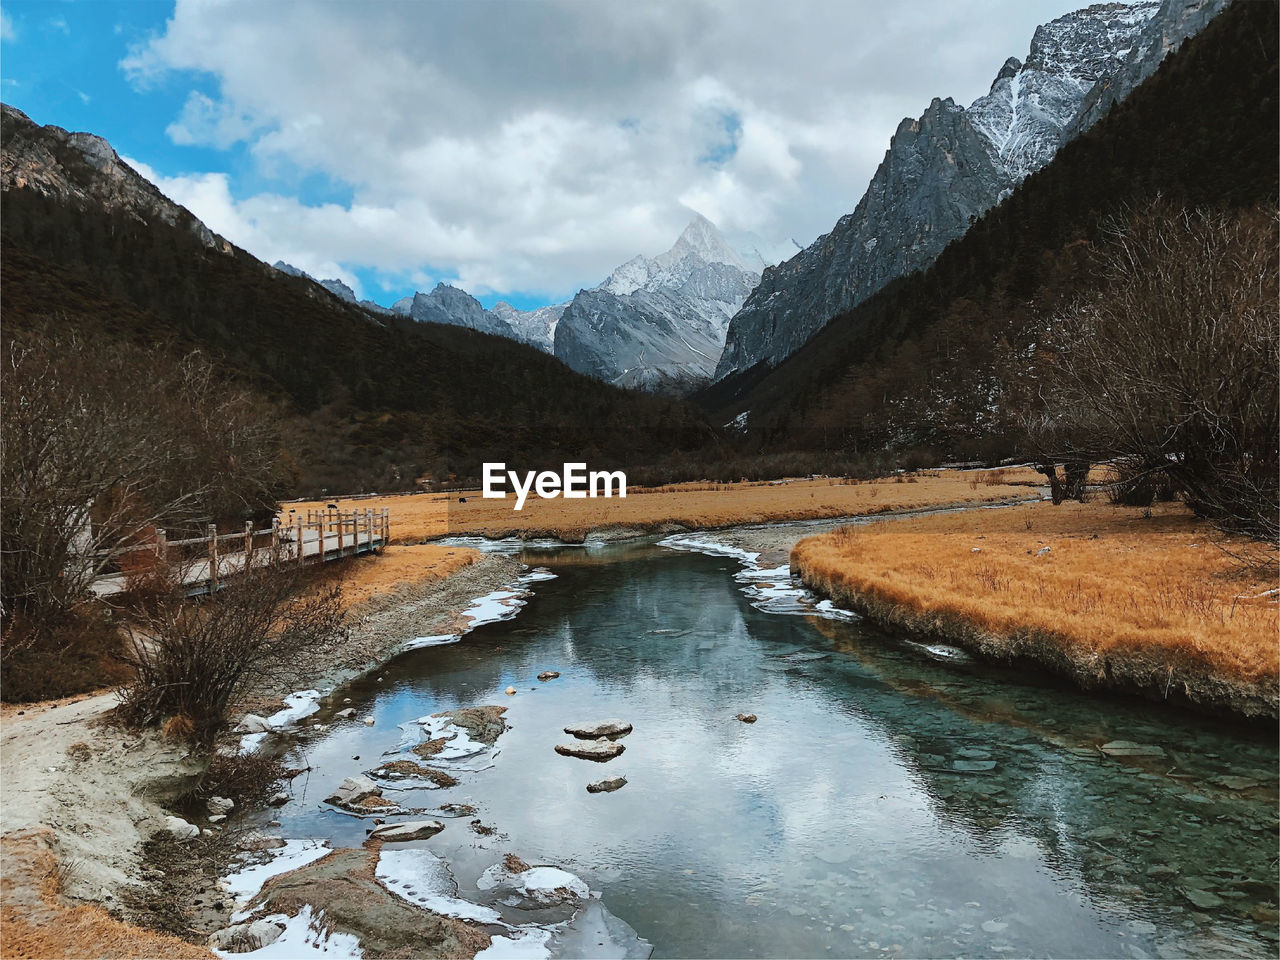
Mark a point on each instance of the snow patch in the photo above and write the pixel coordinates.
(244, 884)
(424, 880)
(304, 935)
(531, 944)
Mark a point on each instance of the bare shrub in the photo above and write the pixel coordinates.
(1139, 484)
(1172, 362)
(246, 778)
(194, 658)
(105, 441)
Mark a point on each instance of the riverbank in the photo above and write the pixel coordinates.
(1150, 603)
(418, 518)
(82, 797)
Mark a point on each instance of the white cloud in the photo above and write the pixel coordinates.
(8, 30)
(207, 121)
(59, 24)
(534, 146)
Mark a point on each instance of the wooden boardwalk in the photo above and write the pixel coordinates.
(316, 537)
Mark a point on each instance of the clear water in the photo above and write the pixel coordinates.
(884, 804)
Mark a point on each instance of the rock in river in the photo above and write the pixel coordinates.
(352, 791)
(598, 750)
(612, 728)
(607, 786)
(546, 675)
(1127, 748)
(1202, 898)
(410, 830)
(747, 717)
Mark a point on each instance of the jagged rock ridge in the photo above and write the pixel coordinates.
(951, 165)
(333, 285)
(56, 163)
(656, 323)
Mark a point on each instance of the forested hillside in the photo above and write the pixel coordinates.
(930, 362)
(369, 402)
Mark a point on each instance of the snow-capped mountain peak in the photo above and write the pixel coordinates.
(1032, 104)
(701, 239)
(659, 323)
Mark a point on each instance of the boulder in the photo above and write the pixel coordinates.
(409, 830)
(278, 799)
(346, 714)
(546, 675)
(601, 728)
(245, 937)
(180, 829)
(217, 817)
(218, 805)
(252, 723)
(599, 750)
(511, 691)
(353, 790)
(747, 717)
(607, 786)
(368, 721)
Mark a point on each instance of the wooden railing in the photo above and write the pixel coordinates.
(205, 562)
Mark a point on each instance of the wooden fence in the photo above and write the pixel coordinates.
(206, 562)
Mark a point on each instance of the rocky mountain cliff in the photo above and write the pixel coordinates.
(82, 168)
(534, 327)
(945, 169)
(450, 305)
(659, 323)
(656, 323)
(454, 306)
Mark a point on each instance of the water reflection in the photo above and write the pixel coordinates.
(883, 804)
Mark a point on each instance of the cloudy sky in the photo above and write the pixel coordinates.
(518, 149)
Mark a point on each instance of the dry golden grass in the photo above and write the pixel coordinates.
(372, 575)
(418, 517)
(1113, 580)
(35, 923)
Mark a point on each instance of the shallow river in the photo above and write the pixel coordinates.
(890, 801)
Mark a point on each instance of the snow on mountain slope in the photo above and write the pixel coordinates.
(659, 323)
(951, 165)
(535, 327)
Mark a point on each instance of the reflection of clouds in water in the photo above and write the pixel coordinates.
(844, 796)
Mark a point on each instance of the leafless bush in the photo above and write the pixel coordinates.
(103, 442)
(194, 658)
(1139, 484)
(1172, 362)
(246, 778)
